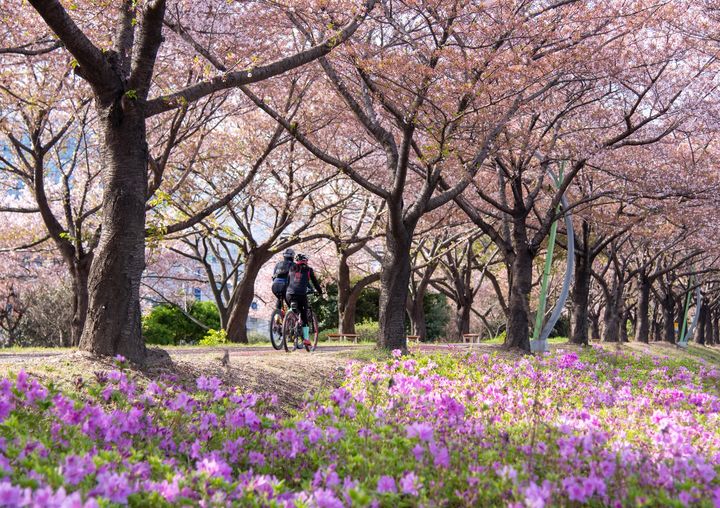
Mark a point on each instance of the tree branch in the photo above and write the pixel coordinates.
(263, 72)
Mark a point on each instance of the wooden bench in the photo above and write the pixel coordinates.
(471, 337)
(340, 336)
(413, 338)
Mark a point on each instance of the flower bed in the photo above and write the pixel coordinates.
(443, 430)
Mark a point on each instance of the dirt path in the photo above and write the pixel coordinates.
(190, 351)
(247, 350)
(292, 377)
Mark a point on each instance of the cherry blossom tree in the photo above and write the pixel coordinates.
(428, 92)
(465, 268)
(128, 62)
(286, 204)
(352, 228)
(590, 120)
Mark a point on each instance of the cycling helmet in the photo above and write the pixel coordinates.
(289, 254)
(301, 258)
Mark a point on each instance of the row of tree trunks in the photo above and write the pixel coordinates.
(656, 322)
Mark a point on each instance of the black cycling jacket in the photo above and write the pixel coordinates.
(280, 274)
(300, 277)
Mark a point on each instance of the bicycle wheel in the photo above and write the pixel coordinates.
(276, 325)
(289, 331)
(314, 332)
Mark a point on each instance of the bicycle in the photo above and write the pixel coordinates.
(276, 326)
(292, 330)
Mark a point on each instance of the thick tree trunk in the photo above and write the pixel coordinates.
(113, 325)
(410, 310)
(580, 299)
(243, 297)
(709, 341)
(518, 323)
(418, 316)
(595, 326)
(655, 335)
(614, 315)
(702, 326)
(611, 323)
(624, 327)
(642, 328)
(668, 311)
(80, 273)
(347, 317)
(394, 281)
(462, 319)
(348, 295)
(716, 327)
(680, 315)
(613, 312)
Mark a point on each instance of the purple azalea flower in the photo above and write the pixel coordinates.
(181, 402)
(256, 458)
(6, 407)
(113, 486)
(576, 490)
(208, 384)
(10, 495)
(409, 484)
(214, 466)
(386, 484)
(341, 396)
(169, 490)
(418, 452)
(21, 381)
(441, 455)
(422, 431)
(325, 498)
(537, 496)
(77, 468)
(264, 485)
(685, 498)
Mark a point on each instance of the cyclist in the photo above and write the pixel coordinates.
(301, 275)
(280, 277)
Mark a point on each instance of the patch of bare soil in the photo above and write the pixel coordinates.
(292, 377)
